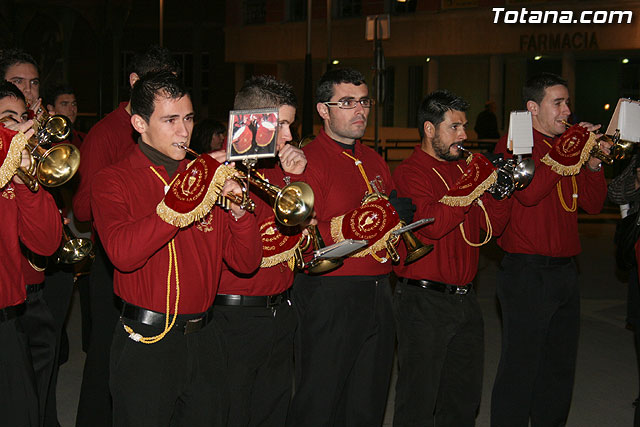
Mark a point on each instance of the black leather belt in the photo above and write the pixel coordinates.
(11, 312)
(188, 323)
(445, 288)
(542, 259)
(267, 301)
(31, 289)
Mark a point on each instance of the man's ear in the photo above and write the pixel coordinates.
(533, 107)
(429, 129)
(133, 78)
(138, 123)
(323, 110)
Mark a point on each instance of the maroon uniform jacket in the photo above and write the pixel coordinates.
(108, 142)
(539, 222)
(34, 220)
(452, 260)
(136, 240)
(339, 187)
(266, 280)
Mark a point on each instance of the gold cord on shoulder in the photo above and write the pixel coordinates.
(574, 195)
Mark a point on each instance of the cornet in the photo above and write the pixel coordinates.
(513, 174)
(73, 249)
(54, 166)
(292, 205)
(619, 150)
(316, 265)
(415, 248)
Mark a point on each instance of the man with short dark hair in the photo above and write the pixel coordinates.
(345, 338)
(538, 282)
(168, 363)
(254, 311)
(62, 100)
(439, 321)
(108, 142)
(19, 67)
(29, 219)
(48, 296)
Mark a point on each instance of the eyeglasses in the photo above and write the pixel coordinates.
(349, 104)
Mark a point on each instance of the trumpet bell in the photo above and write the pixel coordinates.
(415, 248)
(294, 203)
(523, 173)
(622, 149)
(75, 250)
(319, 265)
(58, 165)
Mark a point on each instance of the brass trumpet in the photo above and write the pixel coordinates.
(54, 166)
(316, 265)
(292, 205)
(73, 249)
(415, 248)
(619, 150)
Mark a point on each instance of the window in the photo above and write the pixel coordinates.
(297, 10)
(414, 97)
(407, 6)
(255, 11)
(348, 8)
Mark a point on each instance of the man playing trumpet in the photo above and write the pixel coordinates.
(254, 310)
(439, 321)
(168, 363)
(30, 219)
(538, 283)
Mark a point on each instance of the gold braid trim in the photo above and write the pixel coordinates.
(278, 258)
(476, 193)
(573, 169)
(337, 236)
(223, 172)
(12, 162)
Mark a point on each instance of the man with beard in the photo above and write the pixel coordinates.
(439, 321)
(345, 338)
(538, 282)
(254, 310)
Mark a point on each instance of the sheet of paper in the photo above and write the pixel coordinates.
(520, 137)
(626, 118)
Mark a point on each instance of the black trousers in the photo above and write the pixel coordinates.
(57, 293)
(94, 407)
(180, 380)
(540, 303)
(19, 401)
(39, 325)
(344, 350)
(259, 343)
(633, 317)
(440, 357)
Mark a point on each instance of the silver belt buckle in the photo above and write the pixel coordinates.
(462, 290)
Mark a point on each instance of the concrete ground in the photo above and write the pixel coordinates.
(606, 377)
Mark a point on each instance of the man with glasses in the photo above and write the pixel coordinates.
(345, 338)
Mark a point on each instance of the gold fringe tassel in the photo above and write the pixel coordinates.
(177, 219)
(573, 169)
